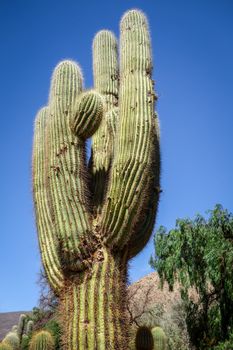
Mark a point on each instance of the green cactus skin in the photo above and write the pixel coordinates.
(144, 339)
(5, 346)
(91, 219)
(13, 340)
(42, 340)
(160, 339)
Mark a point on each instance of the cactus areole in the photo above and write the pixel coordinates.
(92, 218)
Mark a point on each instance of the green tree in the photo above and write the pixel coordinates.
(199, 254)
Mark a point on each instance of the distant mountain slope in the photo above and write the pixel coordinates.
(7, 320)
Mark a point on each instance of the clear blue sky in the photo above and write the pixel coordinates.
(193, 56)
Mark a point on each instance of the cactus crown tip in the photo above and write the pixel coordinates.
(104, 34)
(67, 63)
(134, 16)
(64, 68)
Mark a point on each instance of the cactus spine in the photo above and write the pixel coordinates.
(42, 340)
(160, 339)
(92, 219)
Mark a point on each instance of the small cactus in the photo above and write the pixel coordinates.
(12, 339)
(42, 340)
(160, 339)
(29, 327)
(18, 336)
(144, 339)
(21, 326)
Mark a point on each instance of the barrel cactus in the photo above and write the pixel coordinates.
(160, 339)
(144, 339)
(92, 218)
(42, 340)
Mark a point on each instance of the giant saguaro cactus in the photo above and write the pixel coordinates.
(93, 218)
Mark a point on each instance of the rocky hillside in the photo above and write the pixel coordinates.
(146, 294)
(7, 320)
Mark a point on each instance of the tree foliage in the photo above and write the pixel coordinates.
(199, 254)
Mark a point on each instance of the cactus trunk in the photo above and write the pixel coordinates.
(93, 306)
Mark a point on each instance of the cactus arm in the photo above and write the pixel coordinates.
(105, 71)
(146, 218)
(68, 178)
(47, 240)
(105, 66)
(132, 163)
(89, 109)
